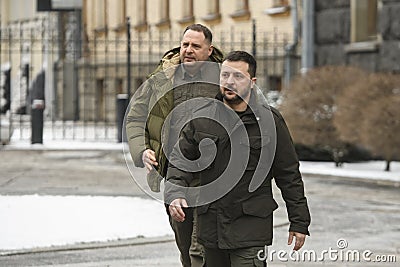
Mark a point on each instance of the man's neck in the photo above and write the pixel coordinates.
(192, 70)
(240, 107)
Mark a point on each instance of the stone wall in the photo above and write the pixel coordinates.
(332, 37)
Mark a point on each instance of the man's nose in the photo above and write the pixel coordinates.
(189, 49)
(230, 79)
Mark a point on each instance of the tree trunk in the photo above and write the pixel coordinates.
(387, 165)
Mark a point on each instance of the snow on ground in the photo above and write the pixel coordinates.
(42, 221)
(65, 145)
(365, 170)
(31, 221)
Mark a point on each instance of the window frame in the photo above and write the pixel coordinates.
(242, 10)
(100, 18)
(361, 39)
(141, 21)
(187, 14)
(121, 15)
(165, 20)
(278, 8)
(213, 12)
(362, 28)
(280, 3)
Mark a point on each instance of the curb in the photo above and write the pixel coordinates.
(380, 182)
(66, 145)
(43, 148)
(91, 245)
(103, 244)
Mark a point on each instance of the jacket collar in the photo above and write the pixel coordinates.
(253, 103)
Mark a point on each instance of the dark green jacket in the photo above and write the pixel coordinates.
(150, 106)
(241, 218)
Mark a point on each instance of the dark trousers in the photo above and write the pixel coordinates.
(192, 253)
(243, 257)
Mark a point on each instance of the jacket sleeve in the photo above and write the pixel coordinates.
(285, 170)
(178, 179)
(136, 123)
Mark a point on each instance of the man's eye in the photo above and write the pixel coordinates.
(238, 76)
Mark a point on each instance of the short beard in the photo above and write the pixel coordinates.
(233, 101)
(236, 100)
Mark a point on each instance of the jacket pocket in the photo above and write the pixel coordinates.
(154, 180)
(260, 206)
(206, 224)
(208, 149)
(202, 209)
(254, 146)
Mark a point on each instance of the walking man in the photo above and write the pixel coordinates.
(237, 224)
(184, 73)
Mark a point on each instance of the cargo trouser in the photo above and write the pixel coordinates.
(243, 257)
(192, 253)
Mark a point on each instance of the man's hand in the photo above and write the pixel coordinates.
(149, 159)
(176, 211)
(300, 239)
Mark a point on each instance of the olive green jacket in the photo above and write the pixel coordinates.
(149, 108)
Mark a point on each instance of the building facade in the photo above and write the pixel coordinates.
(362, 33)
(263, 28)
(91, 53)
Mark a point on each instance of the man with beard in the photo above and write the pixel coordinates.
(185, 72)
(236, 225)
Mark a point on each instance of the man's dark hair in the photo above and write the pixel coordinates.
(245, 57)
(200, 28)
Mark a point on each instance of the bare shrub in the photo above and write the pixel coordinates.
(309, 106)
(369, 114)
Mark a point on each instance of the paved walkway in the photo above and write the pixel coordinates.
(366, 215)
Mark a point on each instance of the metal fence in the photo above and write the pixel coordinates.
(85, 75)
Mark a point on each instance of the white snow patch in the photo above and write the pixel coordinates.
(365, 170)
(33, 221)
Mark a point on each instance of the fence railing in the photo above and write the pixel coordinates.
(80, 88)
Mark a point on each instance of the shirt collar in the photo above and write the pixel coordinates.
(184, 75)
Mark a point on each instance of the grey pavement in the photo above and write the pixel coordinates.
(364, 214)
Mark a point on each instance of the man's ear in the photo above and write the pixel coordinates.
(253, 82)
(210, 50)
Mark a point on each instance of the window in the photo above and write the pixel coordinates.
(120, 10)
(141, 15)
(100, 15)
(164, 14)
(213, 7)
(187, 17)
(278, 3)
(213, 14)
(242, 4)
(363, 20)
(242, 10)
